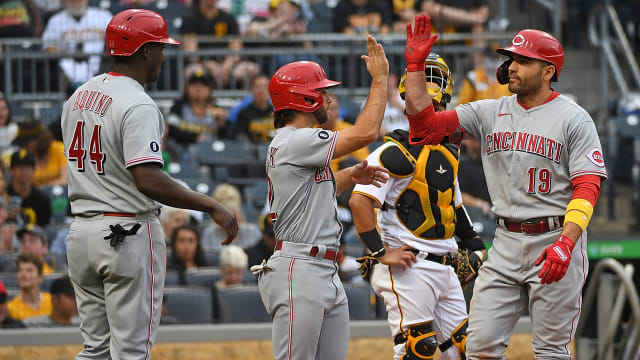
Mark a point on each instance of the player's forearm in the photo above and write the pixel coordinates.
(343, 180)
(159, 186)
(363, 213)
(367, 125)
(416, 96)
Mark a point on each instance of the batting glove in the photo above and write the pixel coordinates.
(558, 257)
(419, 43)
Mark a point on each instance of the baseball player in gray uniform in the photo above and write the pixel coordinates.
(113, 132)
(543, 161)
(299, 284)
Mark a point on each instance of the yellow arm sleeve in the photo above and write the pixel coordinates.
(579, 212)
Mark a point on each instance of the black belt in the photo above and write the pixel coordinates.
(446, 259)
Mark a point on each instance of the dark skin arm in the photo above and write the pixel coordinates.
(158, 185)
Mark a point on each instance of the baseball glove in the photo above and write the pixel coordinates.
(466, 264)
(366, 265)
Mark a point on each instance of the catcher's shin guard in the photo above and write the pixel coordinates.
(421, 342)
(458, 339)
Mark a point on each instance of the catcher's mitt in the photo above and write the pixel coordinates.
(466, 264)
(366, 265)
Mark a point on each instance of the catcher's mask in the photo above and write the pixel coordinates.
(439, 79)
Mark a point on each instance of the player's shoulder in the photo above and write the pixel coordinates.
(572, 107)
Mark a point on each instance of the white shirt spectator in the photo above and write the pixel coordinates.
(68, 35)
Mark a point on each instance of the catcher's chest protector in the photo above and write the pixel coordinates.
(426, 206)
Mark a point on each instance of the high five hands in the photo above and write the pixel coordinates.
(419, 43)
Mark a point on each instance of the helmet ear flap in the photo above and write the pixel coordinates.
(502, 72)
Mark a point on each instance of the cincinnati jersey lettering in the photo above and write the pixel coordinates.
(524, 142)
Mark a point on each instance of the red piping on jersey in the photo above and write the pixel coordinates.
(114, 73)
(152, 283)
(331, 148)
(290, 308)
(141, 159)
(586, 187)
(554, 95)
(584, 280)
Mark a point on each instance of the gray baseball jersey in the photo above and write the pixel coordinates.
(529, 157)
(109, 125)
(301, 288)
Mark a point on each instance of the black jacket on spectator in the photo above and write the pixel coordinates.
(38, 202)
(185, 134)
(222, 25)
(258, 252)
(19, 19)
(471, 178)
(255, 123)
(363, 19)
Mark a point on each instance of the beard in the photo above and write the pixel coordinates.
(526, 86)
(321, 115)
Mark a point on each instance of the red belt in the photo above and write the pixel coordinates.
(329, 254)
(532, 226)
(119, 214)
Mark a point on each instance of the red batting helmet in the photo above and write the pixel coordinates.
(293, 83)
(538, 45)
(128, 30)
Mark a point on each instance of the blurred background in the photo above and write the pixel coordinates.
(213, 92)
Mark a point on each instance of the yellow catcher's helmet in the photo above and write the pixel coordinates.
(439, 79)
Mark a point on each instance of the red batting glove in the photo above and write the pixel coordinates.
(557, 256)
(419, 43)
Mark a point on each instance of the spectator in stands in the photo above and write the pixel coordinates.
(33, 240)
(7, 227)
(208, 19)
(195, 117)
(31, 301)
(394, 117)
(233, 264)
(186, 252)
(47, 8)
(51, 164)
(255, 121)
(8, 129)
(245, 10)
(404, 11)
(248, 233)
(6, 321)
(285, 18)
(477, 85)
(35, 206)
(473, 184)
(263, 249)
(334, 123)
(77, 29)
(64, 310)
(19, 18)
(361, 17)
(172, 218)
(459, 16)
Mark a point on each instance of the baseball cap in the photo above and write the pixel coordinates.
(62, 286)
(23, 157)
(201, 76)
(27, 131)
(3, 293)
(266, 225)
(34, 229)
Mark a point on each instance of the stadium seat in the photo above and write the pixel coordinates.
(359, 297)
(255, 196)
(249, 278)
(59, 202)
(242, 304)
(213, 257)
(9, 279)
(189, 304)
(172, 278)
(45, 285)
(221, 152)
(8, 262)
(205, 276)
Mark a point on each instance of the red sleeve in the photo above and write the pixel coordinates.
(431, 127)
(586, 187)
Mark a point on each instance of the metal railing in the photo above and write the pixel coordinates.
(610, 309)
(30, 74)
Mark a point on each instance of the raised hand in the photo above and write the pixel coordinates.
(419, 43)
(376, 60)
(366, 174)
(557, 258)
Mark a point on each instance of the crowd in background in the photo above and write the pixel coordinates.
(34, 211)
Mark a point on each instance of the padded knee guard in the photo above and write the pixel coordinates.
(458, 339)
(421, 342)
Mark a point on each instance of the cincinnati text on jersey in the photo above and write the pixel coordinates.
(92, 100)
(524, 142)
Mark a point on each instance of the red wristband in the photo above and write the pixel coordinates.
(416, 67)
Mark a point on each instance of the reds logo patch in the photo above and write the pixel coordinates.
(596, 157)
